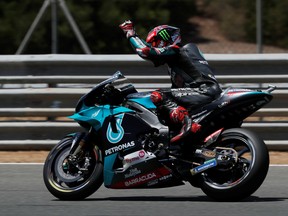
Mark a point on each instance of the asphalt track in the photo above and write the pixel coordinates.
(22, 193)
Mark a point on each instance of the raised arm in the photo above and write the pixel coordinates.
(143, 49)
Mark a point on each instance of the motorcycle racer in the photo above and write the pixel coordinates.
(193, 81)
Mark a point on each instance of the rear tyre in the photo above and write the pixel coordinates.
(72, 181)
(246, 176)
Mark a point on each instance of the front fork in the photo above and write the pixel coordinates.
(80, 142)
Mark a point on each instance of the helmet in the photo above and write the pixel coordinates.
(163, 35)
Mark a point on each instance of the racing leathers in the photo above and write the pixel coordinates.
(193, 82)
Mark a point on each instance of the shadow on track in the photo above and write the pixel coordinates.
(181, 199)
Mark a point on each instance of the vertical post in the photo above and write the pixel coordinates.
(74, 26)
(54, 24)
(259, 33)
(33, 27)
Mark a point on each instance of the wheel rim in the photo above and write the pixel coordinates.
(69, 179)
(220, 178)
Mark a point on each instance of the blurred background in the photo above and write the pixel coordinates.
(217, 26)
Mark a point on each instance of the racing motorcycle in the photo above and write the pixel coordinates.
(126, 145)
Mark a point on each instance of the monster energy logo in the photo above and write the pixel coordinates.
(164, 34)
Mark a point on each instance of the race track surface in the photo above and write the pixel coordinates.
(23, 193)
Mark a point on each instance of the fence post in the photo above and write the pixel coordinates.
(259, 32)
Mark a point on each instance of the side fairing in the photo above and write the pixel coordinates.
(122, 140)
(126, 163)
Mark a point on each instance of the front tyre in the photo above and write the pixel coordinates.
(233, 183)
(72, 181)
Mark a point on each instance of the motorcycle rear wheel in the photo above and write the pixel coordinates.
(246, 176)
(71, 183)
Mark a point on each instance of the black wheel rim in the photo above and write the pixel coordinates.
(68, 179)
(220, 178)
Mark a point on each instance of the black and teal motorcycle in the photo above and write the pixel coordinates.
(125, 145)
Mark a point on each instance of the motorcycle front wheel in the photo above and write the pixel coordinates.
(74, 180)
(240, 180)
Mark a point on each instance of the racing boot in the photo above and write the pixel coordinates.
(176, 114)
(180, 115)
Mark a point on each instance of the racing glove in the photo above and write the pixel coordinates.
(128, 28)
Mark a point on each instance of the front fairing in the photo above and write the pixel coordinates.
(96, 115)
(95, 96)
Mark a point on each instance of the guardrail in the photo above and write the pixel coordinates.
(54, 80)
(75, 86)
(33, 114)
(224, 64)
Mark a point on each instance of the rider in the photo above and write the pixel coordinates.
(193, 82)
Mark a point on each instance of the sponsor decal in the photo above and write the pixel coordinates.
(238, 91)
(207, 165)
(223, 104)
(140, 155)
(153, 182)
(163, 178)
(140, 179)
(182, 94)
(131, 160)
(132, 172)
(164, 34)
(133, 179)
(160, 174)
(180, 89)
(96, 114)
(120, 147)
(203, 62)
(207, 153)
(116, 137)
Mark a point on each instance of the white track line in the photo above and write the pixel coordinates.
(21, 163)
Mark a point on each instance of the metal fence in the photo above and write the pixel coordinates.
(34, 104)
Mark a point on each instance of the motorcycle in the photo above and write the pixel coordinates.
(125, 145)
